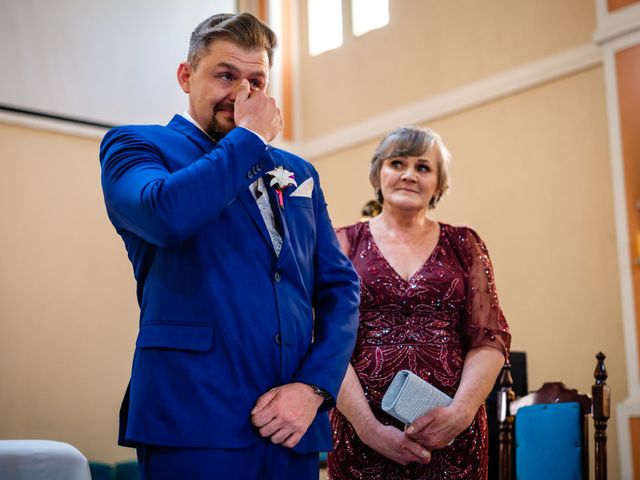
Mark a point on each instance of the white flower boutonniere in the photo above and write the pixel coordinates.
(281, 179)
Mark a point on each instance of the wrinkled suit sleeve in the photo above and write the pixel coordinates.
(166, 207)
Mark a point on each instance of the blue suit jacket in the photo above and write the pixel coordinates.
(222, 318)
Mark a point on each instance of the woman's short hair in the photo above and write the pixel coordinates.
(411, 142)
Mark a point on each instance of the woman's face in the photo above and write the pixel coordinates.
(409, 183)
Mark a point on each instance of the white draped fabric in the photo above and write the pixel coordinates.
(41, 460)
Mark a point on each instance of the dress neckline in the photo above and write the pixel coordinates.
(392, 268)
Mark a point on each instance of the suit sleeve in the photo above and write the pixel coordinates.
(166, 207)
(336, 299)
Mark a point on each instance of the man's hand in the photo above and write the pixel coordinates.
(395, 445)
(438, 428)
(284, 413)
(256, 111)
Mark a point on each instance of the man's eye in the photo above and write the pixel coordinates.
(225, 76)
(255, 84)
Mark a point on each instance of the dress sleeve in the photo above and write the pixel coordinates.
(484, 323)
(346, 239)
(343, 240)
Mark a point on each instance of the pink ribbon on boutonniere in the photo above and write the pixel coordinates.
(281, 179)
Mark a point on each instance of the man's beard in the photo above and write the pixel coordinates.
(217, 129)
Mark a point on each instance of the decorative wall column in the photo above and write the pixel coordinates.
(618, 34)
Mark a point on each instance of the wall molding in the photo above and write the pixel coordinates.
(630, 407)
(626, 410)
(620, 205)
(497, 86)
(68, 127)
(612, 25)
(471, 95)
(617, 31)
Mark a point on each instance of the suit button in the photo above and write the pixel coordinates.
(276, 338)
(276, 277)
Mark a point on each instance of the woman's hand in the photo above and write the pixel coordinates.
(439, 428)
(394, 444)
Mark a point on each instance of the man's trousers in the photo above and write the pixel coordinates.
(262, 461)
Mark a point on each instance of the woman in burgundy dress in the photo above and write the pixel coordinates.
(428, 305)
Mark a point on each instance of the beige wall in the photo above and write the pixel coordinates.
(68, 314)
(429, 47)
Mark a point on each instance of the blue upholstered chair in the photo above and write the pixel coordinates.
(127, 471)
(549, 442)
(101, 471)
(550, 427)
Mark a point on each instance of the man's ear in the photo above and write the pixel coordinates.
(184, 76)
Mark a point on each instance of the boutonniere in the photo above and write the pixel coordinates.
(281, 179)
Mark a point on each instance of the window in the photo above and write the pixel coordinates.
(367, 15)
(325, 25)
(325, 21)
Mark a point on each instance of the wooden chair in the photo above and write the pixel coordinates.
(550, 394)
(518, 363)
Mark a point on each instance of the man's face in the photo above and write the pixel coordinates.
(212, 86)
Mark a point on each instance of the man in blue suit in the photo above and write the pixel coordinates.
(248, 309)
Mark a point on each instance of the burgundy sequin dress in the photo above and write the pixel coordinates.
(426, 325)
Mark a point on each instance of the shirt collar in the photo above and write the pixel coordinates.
(190, 119)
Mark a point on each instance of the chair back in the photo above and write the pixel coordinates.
(551, 425)
(549, 442)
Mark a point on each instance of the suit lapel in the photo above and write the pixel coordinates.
(193, 133)
(281, 224)
(250, 205)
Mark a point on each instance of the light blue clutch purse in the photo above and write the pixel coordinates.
(409, 397)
